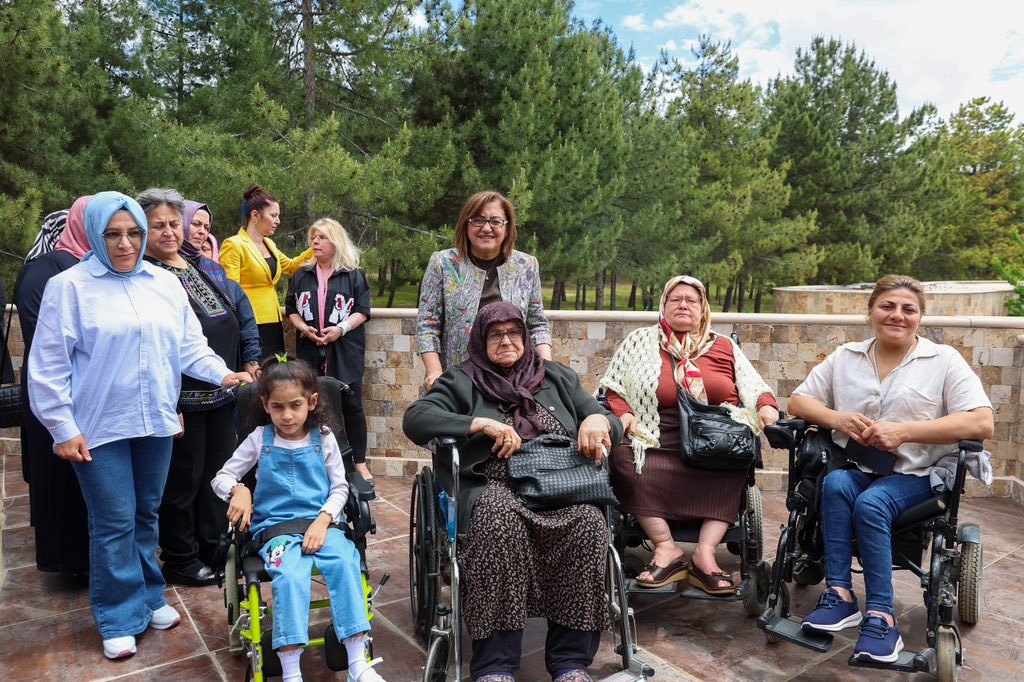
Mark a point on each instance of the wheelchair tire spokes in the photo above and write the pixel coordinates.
(424, 560)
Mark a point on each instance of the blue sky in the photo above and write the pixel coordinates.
(937, 51)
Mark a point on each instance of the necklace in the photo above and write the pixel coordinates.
(891, 376)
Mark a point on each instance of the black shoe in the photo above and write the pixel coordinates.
(196, 574)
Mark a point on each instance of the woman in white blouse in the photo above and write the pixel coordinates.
(114, 336)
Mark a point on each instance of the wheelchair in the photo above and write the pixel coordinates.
(745, 539)
(952, 578)
(242, 573)
(434, 582)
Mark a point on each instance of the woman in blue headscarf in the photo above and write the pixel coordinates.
(113, 338)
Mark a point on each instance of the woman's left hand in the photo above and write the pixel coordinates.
(767, 415)
(330, 335)
(885, 435)
(595, 432)
(236, 378)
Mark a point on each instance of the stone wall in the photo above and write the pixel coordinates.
(783, 348)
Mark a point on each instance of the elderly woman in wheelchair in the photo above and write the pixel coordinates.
(297, 522)
(516, 562)
(680, 353)
(898, 403)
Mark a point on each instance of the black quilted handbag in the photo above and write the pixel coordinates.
(549, 472)
(711, 439)
(10, 394)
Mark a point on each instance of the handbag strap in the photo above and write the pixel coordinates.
(7, 344)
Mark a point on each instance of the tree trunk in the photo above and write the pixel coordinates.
(382, 279)
(727, 303)
(308, 65)
(557, 294)
(578, 296)
(757, 300)
(394, 282)
(718, 294)
(632, 296)
(599, 290)
(740, 298)
(614, 297)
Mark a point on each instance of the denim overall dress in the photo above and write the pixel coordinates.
(293, 484)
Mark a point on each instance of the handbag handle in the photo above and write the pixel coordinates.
(7, 343)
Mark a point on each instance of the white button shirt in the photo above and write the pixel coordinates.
(109, 352)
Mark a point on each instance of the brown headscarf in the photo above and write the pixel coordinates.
(510, 388)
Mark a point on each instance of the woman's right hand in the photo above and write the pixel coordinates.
(628, 420)
(853, 425)
(506, 440)
(74, 450)
(429, 380)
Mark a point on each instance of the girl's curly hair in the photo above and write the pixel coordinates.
(277, 369)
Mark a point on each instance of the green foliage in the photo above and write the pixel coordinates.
(1013, 273)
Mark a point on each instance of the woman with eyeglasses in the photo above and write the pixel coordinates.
(649, 368)
(114, 336)
(483, 268)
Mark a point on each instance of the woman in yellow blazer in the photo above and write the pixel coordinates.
(251, 259)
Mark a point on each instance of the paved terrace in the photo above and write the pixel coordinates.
(47, 632)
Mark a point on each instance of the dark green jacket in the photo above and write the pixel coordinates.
(449, 408)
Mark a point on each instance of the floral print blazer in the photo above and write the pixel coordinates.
(450, 296)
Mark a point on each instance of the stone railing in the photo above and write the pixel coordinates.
(783, 348)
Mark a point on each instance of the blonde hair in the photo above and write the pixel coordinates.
(346, 254)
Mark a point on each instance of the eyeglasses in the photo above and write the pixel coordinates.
(689, 302)
(114, 238)
(498, 335)
(494, 222)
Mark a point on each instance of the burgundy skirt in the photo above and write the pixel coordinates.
(669, 489)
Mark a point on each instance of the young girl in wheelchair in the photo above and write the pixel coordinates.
(301, 477)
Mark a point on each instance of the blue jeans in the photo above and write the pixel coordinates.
(290, 573)
(853, 501)
(122, 487)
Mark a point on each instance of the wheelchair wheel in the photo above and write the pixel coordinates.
(424, 562)
(232, 597)
(969, 600)
(947, 645)
(755, 519)
(757, 593)
(436, 668)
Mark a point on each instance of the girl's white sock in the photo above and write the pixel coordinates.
(356, 648)
(290, 665)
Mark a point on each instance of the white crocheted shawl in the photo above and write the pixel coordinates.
(634, 371)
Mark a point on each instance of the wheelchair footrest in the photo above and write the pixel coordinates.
(335, 654)
(908, 662)
(625, 676)
(789, 629)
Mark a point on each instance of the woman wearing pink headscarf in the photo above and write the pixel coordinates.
(58, 512)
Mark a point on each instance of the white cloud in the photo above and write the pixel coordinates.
(942, 51)
(670, 46)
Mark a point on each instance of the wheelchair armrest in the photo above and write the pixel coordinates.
(359, 487)
(923, 511)
(448, 441)
(972, 445)
(784, 433)
(357, 509)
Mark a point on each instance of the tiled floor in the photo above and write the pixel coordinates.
(47, 632)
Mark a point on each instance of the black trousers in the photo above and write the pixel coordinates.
(271, 339)
(191, 517)
(354, 419)
(564, 649)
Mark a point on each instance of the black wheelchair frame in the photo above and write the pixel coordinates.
(433, 563)
(955, 566)
(242, 572)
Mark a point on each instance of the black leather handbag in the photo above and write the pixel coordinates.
(10, 394)
(711, 439)
(549, 472)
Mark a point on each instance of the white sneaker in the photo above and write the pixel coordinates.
(119, 647)
(165, 617)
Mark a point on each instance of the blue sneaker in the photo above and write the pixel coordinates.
(832, 614)
(877, 640)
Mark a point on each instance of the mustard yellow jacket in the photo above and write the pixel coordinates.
(241, 259)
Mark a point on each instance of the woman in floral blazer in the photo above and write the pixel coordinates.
(482, 268)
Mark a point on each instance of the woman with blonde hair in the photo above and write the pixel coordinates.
(328, 301)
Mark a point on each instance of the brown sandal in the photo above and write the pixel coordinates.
(709, 581)
(676, 571)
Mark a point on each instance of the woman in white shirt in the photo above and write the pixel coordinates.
(898, 403)
(114, 336)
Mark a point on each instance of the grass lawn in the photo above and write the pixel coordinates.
(407, 297)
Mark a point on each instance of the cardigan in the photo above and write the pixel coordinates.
(450, 406)
(450, 296)
(348, 292)
(244, 263)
